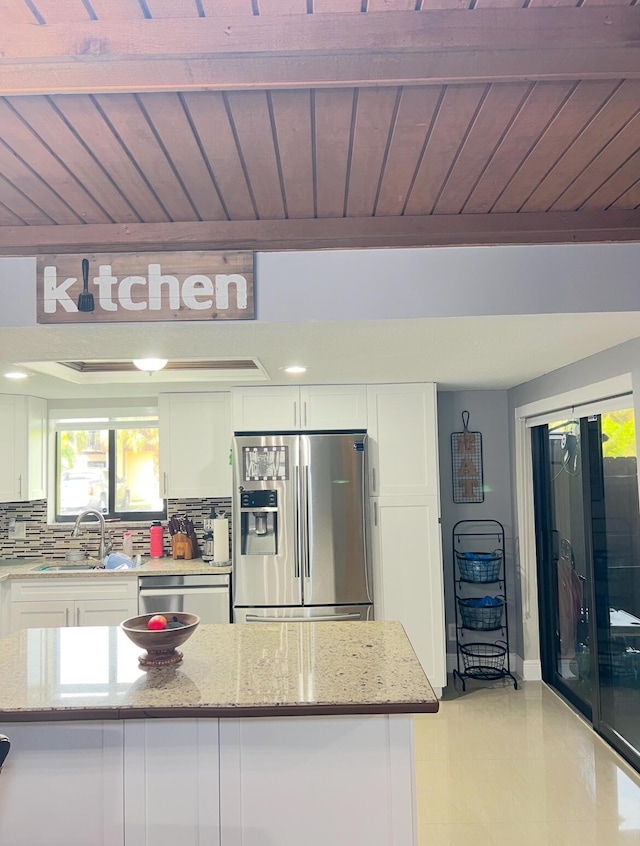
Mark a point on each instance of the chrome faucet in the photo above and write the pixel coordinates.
(102, 552)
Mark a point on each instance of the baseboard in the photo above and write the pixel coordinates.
(529, 670)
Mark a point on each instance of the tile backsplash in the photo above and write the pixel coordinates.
(54, 541)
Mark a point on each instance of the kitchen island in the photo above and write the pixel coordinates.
(265, 735)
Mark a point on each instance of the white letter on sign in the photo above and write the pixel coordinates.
(223, 280)
(105, 282)
(54, 293)
(156, 280)
(124, 293)
(194, 286)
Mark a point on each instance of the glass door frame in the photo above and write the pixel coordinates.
(547, 577)
(547, 582)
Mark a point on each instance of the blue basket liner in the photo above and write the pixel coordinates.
(483, 602)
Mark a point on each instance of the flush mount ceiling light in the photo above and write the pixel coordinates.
(295, 368)
(150, 365)
(124, 371)
(16, 375)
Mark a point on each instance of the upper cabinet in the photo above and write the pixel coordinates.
(23, 448)
(195, 444)
(403, 446)
(312, 407)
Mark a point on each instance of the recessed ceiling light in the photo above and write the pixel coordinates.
(295, 368)
(16, 375)
(150, 365)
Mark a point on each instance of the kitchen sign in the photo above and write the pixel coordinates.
(142, 287)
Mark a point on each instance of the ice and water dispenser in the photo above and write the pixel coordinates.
(259, 522)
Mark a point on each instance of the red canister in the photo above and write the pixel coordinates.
(156, 540)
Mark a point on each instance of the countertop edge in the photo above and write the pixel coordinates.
(28, 569)
(216, 712)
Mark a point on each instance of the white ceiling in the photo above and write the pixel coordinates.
(495, 352)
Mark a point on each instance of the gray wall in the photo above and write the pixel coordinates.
(488, 415)
(419, 282)
(617, 361)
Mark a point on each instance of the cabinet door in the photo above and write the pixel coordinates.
(104, 612)
(41, 615)
(13, 449)
(403, 445)
(172, 784)
(195, 443)
(407, 573)
(332, 407)
(37, 425)
(268, 409)
(63, 784)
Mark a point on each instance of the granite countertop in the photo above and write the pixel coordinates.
(27, 568)
(266, 670)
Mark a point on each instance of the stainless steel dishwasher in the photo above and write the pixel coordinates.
(206, 595)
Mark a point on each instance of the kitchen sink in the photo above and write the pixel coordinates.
(66, 568)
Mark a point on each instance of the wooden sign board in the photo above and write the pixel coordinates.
(143, 287)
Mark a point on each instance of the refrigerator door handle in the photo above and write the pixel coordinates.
(327, 618)
(305, 512)
(296, 527)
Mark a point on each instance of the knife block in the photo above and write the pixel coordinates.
(181, 547)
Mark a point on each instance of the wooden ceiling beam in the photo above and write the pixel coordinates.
(333, 233)
(391, 48)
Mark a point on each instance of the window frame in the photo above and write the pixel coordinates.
(111, 513)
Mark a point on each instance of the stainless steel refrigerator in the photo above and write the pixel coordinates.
(299, 550)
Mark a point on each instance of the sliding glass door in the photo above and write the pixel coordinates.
(588, 545)
(563, 561)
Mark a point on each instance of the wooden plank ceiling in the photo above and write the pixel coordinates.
(274, 124)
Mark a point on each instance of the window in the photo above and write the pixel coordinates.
(114, 469)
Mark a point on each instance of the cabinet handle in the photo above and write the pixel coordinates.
(77, 616)
(375, 513)
(373, 479)
(164, 484)
(20, 486)
(295, 414)
(66, 616)
(305, 414)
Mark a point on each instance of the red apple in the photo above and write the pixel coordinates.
(157, 623)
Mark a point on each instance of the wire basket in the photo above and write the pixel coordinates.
(479, 566)
(484, 614)
(483, 660)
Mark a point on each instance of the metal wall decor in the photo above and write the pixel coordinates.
(466, 464)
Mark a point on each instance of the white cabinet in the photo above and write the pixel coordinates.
(23, 464)
(195, 445)
(41, 615)
(312, 407)
(408, 575)
(63, 784)
(403, 440)
(405, 517)
(46, 603)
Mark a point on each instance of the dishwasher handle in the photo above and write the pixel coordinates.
(327, 618)
(183, 591)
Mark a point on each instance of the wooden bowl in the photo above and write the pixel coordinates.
(160, 644)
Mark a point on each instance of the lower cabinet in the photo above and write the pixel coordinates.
(72, 602)
(231, 782)
(408, 575)
(63, 784)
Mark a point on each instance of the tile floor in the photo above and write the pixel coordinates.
(497, 766)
